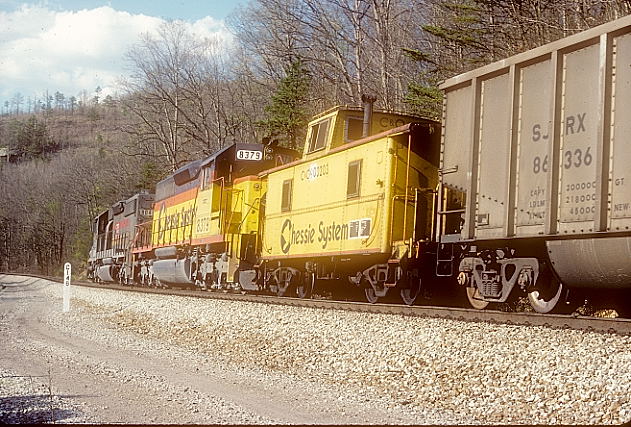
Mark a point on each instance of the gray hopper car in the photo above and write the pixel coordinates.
(535, 159)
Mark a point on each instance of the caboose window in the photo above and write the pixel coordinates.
(285, 203)
(354, 129)
(317, 139)
(354, 178)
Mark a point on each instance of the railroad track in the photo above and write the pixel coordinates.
(620, 326)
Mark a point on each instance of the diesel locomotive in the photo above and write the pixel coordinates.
(522, 189)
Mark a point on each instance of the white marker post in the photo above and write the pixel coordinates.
(67, 271)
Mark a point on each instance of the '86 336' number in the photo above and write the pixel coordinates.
(571, 158)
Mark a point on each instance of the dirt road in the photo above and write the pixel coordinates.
(70, 367)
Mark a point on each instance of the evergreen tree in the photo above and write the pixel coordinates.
(466, 34)
(286, 117)
(30, 139)
(424, 98)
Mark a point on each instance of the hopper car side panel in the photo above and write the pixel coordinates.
(619, 182)
(534, 140)
(535, 86)
(493, 180)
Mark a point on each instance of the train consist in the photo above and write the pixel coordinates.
(522, 189)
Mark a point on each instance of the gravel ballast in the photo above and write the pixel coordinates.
(322, 365)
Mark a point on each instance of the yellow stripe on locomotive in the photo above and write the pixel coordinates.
(173, 219)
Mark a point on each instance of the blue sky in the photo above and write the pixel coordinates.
(71, 45)
(190, 10)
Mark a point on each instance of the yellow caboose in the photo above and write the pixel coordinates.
(358, 204)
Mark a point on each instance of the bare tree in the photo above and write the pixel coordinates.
(351, 47)
(176, 93)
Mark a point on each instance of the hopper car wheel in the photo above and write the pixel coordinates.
(475, 299)
(371, 296)
(547, 296)
(306, 285)
(411, 291)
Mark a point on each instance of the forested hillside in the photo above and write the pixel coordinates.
(68, 156)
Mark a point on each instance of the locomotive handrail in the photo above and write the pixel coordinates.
(251, 207)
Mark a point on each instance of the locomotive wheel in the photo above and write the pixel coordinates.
(475, 299)
(548, 294)
(412, 291)
(371, 297)
(156, 283)
(201, 285)
(124, 280)
(306, 285)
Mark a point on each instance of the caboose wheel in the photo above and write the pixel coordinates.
(283, 285)
(411, 291)
(306, 285)
(475, 299)
(281, 288)
(547, 295)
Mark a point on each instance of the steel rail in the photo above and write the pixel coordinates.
(619, 326)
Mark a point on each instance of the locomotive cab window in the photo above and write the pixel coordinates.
(216, 196)
(353, 129)
(130, 208)
(208, 173)
(285, 203)
(354, 178)
(317, 138)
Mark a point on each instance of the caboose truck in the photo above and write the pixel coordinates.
(535, 187)
(358, 205)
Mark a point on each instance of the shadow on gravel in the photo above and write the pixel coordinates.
(32, 409)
